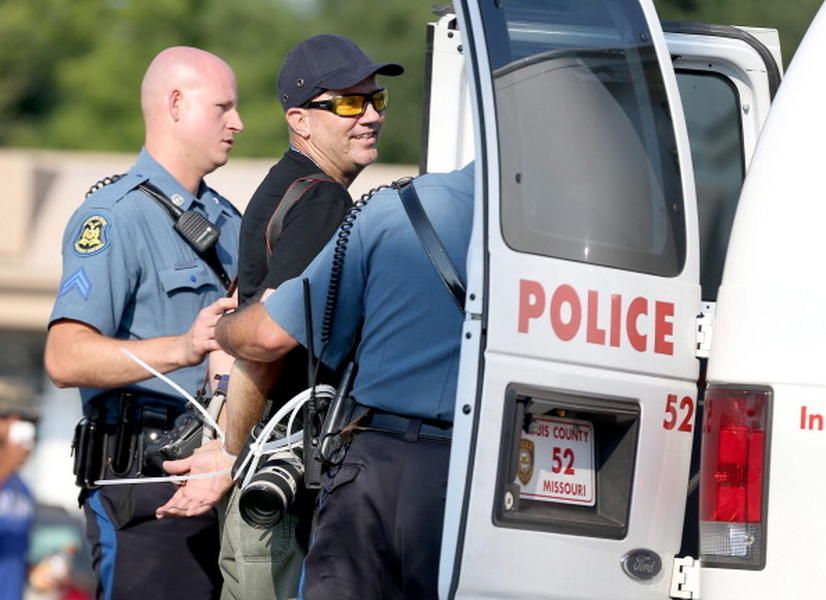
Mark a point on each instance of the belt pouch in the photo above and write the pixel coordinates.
(123, 448)
(88, 449)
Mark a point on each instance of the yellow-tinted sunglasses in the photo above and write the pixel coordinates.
(352, 105)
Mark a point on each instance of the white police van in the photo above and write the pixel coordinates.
(593, 273)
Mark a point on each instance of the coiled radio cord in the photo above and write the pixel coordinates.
(337, 269)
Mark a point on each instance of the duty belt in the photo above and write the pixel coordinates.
(110, 440)
(410, 429)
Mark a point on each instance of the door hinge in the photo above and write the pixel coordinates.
(685, 578)
(705, 328)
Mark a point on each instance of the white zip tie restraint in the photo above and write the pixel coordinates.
(207, 417)
(260, 447)
(169, 478)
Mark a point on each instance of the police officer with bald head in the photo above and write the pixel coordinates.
(131, 281)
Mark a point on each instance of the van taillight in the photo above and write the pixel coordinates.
(733, 474)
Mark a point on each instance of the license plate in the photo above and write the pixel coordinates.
(556, 461)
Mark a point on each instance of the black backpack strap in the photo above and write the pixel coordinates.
(297, 189)
(431, 243)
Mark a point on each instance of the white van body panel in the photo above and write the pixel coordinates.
(771, 329)
(451, 116)
(772, 297)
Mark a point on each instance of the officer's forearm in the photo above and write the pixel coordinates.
(249, 384)
(251, 334)
(77, 355)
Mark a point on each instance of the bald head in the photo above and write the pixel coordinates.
(179, 67)
(189, 104)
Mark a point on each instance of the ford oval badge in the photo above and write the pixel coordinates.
(642, 564)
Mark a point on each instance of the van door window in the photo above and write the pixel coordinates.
(588, 153)
(712, 114)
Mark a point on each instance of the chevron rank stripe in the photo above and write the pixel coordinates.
(77, 281)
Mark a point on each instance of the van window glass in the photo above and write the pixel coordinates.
(589, 167)
(712, 113)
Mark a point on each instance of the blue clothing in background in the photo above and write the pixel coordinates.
(130, 275)
(16, 517)
(408, 358)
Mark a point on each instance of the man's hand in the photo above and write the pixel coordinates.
(200, 338)
(197, 496)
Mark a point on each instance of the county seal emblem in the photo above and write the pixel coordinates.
(93, 236)
(526, 452)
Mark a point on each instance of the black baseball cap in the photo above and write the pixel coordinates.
(325, 62)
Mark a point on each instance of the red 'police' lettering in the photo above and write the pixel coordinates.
(565, 331)
(567, 307)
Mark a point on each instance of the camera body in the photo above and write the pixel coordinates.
(179, 442)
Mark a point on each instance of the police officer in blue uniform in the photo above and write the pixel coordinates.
(378, 529)
(131, 281)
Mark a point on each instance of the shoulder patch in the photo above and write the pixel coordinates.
(76, 281)
(93, 237)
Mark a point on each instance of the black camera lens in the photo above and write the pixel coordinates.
(271, 491)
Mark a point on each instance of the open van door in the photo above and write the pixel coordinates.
(727, 78)
(573, 428)
(583, 282)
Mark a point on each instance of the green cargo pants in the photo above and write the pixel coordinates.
(258, 563)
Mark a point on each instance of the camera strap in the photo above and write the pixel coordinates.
(195, 229)
(432, 244)
(294, 193)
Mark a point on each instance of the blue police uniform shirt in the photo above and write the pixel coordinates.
(131, 276)
(408, 358)
(16, 518)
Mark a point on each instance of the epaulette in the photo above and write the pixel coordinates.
(118, 185)
(226, 203)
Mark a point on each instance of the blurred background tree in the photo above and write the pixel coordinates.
(70, 70)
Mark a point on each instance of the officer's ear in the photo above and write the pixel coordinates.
(175, 101)
(298, 120)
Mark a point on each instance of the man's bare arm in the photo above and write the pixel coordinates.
(77, 355)
(249, 385)
(251, 334)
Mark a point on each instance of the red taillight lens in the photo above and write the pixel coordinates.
(732, 475)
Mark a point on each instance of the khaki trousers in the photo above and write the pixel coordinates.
(258, 563)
